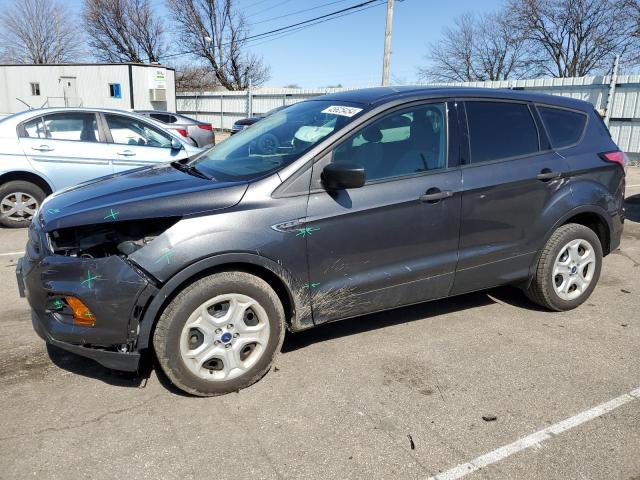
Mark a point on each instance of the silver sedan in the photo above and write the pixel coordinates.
(49, 149)
(200, 133)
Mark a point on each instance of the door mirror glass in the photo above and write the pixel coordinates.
(176, 145)
(341, 175)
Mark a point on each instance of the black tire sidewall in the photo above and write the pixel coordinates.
(20, 186)
(196, 295)
(583, 233)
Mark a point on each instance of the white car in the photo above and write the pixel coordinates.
(45, 150)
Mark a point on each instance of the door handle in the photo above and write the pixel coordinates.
(547, 174)
(126, 153)
(434, 195)
(43, 148)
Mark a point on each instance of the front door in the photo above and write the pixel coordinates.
(135, 143)
(393, 241)
(70, 92)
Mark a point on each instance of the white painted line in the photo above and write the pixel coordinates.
(536, 438)
(9, 254)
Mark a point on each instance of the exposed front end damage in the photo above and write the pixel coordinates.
(88, 266)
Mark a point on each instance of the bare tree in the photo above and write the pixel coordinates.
(124, 30)
(477, 49)
(573, 38)
(199, 78)
(216, 31)
(39, 31)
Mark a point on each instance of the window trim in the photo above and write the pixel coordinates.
(109, 137)
(21, 131)
(572, 110)
(528, 104)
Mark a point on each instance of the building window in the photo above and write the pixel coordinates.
(35, 89)
(114, 90)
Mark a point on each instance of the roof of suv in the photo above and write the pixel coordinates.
(379, 95)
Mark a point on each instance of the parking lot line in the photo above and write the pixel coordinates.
(9, 254)
(536, 438)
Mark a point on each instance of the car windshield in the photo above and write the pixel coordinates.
(276, 141)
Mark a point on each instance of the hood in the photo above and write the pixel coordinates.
(148, 192)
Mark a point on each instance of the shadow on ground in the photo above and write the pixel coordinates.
(294, 341)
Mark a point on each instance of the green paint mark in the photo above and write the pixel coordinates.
(311, 285)
(165, 256)
(113, 215)
(307, 231)
(88, 314)
(87, 282)
(53, 211)
(58, 305)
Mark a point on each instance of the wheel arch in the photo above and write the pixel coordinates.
(26, 176)
(591, 216)
(271, 272)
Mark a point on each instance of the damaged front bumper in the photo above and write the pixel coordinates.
(112, 288)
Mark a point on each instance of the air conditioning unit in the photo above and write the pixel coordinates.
(157, 95)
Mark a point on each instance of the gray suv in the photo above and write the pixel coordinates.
(336, 207)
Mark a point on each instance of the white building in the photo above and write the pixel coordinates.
(106, 85)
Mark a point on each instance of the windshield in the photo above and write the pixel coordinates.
(276, 141)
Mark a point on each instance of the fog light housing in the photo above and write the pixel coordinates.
(82, 315)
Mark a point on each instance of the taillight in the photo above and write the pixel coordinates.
(182, 132)
(205, 126)
(615, 157)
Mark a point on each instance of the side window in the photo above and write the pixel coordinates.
(75, 126)
(35, 89)
(500, 130)
(131, 131)
(34, 128)
(564, 127)
(405, 142)
(161, 117)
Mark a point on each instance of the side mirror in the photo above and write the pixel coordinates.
(176, 145)
(340, 175)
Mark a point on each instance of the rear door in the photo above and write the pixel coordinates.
(66, 147)
(510, 178)
(136, 143)
(393, 241)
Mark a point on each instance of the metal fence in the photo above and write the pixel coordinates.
(617, 97)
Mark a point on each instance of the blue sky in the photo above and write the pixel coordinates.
(347, 50)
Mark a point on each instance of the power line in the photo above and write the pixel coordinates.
(333, 15)
(267, 9)
(297, 12)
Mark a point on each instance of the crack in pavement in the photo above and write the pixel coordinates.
(83, 423)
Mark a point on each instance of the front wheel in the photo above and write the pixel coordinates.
(220, 334)
(568, 269)
(19, 201)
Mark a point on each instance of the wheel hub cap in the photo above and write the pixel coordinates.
(18, 206)
(224, 337)
(573, 269)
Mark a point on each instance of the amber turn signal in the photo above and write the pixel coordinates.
(82, 316)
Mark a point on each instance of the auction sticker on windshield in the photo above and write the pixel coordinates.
(342, 110)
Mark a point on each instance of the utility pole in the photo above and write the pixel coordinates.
(387, 44)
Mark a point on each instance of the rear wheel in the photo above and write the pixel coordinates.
(19, 201)
(568, 269)
(220, 334)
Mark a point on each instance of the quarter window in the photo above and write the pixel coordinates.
(564, 127)
(500, 130)
(35, 89)
(34, 128)
(130, 131)
(406, 142)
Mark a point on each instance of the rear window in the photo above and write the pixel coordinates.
(500, 130)
(564, 127)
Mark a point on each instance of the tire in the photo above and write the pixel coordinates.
(26, 193)
(571, 245)
(196, 318)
